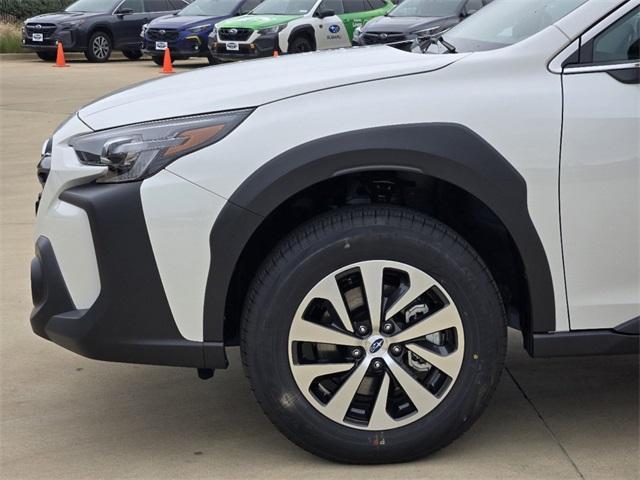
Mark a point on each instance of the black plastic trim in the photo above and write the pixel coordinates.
(449, 152)
(630, 327)
(49, 291)
(131, 320)
(584, 342)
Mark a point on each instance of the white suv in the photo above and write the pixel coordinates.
(365, 223)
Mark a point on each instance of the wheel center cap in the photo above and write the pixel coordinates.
(376, 345)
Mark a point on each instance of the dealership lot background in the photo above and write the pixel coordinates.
(64, 416)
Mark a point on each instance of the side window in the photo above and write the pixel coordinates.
(620, 42)
(353, 6)
(157, 6)
(135, 5)
(248, 6)
(376, 4)
(335, 5)
(473, 6)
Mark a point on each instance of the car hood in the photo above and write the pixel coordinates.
(255, 82)
(257, 21)
(58, 17)
(401, 24)
(184, 21)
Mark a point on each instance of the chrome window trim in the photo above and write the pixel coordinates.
(555, 65)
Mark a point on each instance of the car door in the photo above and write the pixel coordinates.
(330, 31)
(599, 179)
(129, 18)
(359, 12)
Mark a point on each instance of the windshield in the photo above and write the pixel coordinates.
(427, 8)
(210, 8)
(93, 6)
(505, 22)
(284, 7)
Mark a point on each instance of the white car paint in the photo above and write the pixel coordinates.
(509, 96)
(179, 217)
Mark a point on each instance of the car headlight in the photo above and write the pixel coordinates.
(71, 24)
(139, 151)
(199, 28)
(144, 29)
(357, 32)
(272, 30)
(214, 33)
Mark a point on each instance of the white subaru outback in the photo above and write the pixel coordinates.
(364, 223)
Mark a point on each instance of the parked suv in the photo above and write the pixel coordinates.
(293, 26)
(95, 27)
(186, 32)
(365, 223)
(416, 18)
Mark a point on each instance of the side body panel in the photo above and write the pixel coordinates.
(507, 97)
(600, 198)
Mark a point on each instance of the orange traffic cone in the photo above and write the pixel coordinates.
(60, 57)
(167, 66)
(276, 54)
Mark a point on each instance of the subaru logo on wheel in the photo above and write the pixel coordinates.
(334, 28)
(377, 345)
(233, 31)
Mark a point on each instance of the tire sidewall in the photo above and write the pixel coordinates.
(300, 270)
(89, 53)
(299, 40)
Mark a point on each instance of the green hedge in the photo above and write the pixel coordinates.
(16, 10)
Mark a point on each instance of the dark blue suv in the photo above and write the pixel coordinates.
(186, 32)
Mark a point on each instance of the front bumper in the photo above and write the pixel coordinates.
(263, 46)
(131, 320)
(72, 41)
(190, 46)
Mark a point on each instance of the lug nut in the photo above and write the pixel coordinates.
(356, 352)
(377, 364)
(396, 350)
(362, 330)
(388, 327)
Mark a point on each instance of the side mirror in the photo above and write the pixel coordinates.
(124, 11)
(326, 13)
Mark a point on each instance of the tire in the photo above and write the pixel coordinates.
(132, 54)
(99, 47)
(46, 56)
(300, 44)
(396, 241)
(213, 60)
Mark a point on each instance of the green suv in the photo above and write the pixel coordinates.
(293, 26)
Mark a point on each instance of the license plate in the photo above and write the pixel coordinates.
(37, 37)
(233, 46)
(161, 45)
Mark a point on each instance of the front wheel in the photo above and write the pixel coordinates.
(132, 54)
(99, 48)
(373, 335)
(212, 60)
(300, 44)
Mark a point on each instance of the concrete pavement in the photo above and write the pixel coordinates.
(67, 417)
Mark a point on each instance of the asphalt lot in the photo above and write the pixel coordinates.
(63, 416)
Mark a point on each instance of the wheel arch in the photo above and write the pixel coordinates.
(448, 153)
(307, 31)
(101, 27)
